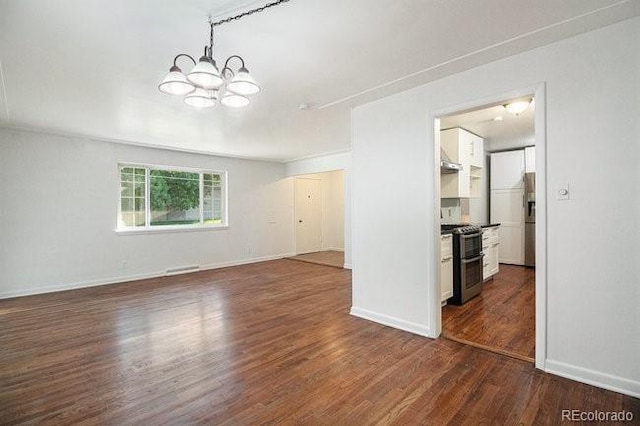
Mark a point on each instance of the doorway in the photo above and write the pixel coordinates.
(319, 215)
(503, 318)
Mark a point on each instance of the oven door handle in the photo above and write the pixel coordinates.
(467, 236)
(475, 259)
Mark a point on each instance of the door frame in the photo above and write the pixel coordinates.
(295, 212)
(538, 91)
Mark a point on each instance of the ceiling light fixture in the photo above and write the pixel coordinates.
(519, 106)
(204, 84)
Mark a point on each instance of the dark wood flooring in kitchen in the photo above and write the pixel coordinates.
(328, 258)
(501, 318)
(267, 343)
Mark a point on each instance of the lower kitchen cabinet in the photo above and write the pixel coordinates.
(490, 248)
(446, 266)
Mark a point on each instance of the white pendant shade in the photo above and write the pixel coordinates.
(234, 100)
(205, 75)
(201, 98)
(175, 83)
(243, 84)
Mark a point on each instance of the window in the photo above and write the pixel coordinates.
(155, 197)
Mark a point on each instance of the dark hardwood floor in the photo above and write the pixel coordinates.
(268, 343)
(501, 318)
(329, 258)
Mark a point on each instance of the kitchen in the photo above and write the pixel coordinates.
(487, 199)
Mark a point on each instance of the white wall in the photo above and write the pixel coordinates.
(59, 200)
(592, 142)
(332, 208)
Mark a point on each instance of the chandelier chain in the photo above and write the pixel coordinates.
(247, 13)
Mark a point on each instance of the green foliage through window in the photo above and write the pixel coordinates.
(175, 197)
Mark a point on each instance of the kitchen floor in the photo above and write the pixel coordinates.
(501, 319)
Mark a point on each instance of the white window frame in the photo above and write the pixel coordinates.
(172, 228)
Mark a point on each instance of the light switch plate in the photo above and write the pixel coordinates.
(562, 191)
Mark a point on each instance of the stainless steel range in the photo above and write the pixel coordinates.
(467, 262)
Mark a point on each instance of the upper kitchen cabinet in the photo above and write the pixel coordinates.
(530, 159)
(507, 170)
(467, 149)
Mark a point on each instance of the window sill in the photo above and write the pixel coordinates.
(170, 229)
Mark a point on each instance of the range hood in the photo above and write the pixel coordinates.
(446, 165)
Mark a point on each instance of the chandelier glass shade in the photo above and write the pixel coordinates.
(176, 83)
(201, 98)
(234, 100)
(205, 74)
(205, 83)
(243, 83)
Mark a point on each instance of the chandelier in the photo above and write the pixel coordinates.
(206, 85)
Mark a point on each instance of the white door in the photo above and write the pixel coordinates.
(507, 210)
(308, 209)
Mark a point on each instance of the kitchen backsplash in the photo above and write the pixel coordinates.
(454, 210)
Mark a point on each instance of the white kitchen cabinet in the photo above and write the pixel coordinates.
(507, 208)
(455, 143)
(490, 248)
(530, 159)
(507, 170)
(467, 149)
(446, 267)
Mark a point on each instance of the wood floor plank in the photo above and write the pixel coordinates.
(268, 343)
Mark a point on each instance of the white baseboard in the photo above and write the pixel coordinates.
(245, 261)
(333, 249)
(595, 378)
(390, 321)
(347, 266)
(116, 280)
(80, 284)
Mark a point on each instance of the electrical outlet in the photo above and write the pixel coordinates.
(248, 250)
(124, 264)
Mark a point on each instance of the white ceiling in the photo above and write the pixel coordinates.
(91, 67)
(511, 132)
